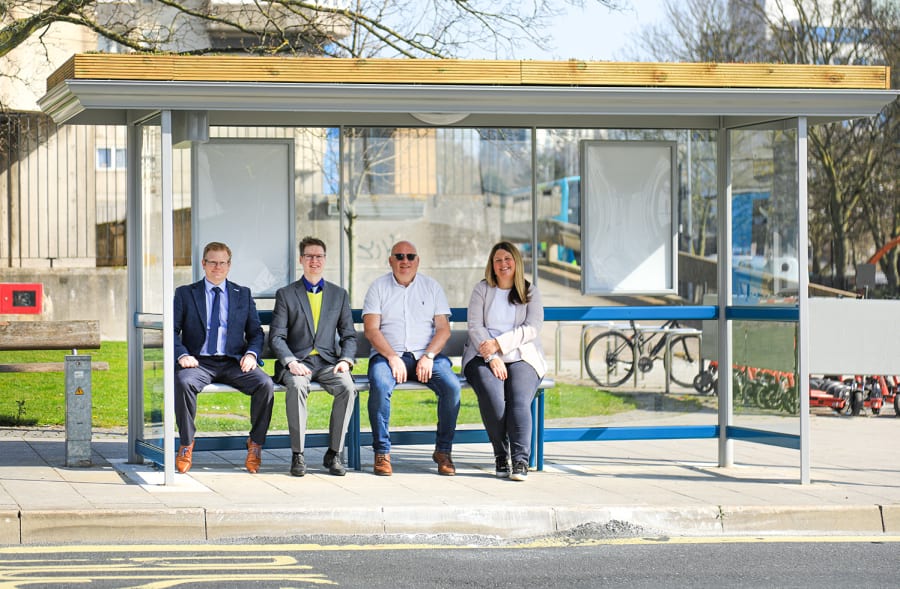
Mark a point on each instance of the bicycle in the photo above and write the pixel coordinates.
(613, 354)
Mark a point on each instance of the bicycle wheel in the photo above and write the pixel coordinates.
(686, 363)
(609, 359)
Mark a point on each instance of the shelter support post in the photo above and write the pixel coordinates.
(803, 299)
(726, 391)
(168, 282)
(134, 231)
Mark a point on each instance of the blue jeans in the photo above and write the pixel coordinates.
(443, 382)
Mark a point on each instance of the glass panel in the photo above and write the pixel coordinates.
(559, 233)
(764, 217)
(151, 280)
(317, 195)
(153, 384)
(452, 192)
(151, 220)
(766, 267)
(765, 365)
(559, 202)
(698, 212)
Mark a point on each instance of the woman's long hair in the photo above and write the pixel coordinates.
(518, 294)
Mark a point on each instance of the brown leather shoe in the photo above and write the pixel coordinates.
(254, 456)
(445, 464)
(184, 458)
(383, 465)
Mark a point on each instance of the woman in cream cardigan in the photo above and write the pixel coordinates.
(503, 359)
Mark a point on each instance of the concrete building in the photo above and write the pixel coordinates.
(63, 190)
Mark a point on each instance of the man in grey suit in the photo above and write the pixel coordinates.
(314, 339)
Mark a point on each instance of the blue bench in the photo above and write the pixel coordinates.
(151, 449)
(358, 439)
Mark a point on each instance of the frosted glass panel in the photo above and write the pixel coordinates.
(629, 238)
(243, 196)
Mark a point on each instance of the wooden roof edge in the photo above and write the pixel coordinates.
(64, 72)
(225, 68)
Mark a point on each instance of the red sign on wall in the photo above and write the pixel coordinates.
(21, 299)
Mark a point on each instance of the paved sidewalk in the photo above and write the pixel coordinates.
(649, 487)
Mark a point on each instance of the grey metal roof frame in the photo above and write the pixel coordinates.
(298, 104)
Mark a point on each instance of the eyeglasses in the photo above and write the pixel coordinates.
(215, 264)
(314, 257)
(401, 257)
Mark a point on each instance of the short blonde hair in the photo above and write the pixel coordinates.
(216, 246)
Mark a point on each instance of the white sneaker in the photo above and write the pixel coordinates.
(519, 471)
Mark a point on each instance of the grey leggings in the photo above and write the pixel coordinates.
(505, 405)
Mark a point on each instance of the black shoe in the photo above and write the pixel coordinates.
(502, 463)
(334, 464)
(519, 471)
(298, 465)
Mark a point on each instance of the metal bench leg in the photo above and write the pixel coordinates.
(537, 431)
(353, 449)
(540, 448)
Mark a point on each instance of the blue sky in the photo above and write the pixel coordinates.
(596, 33)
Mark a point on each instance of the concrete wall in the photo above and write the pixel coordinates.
(78, 293)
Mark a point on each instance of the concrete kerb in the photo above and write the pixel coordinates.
(890, 517)
(126, 526)
(223, 524)
(10, 530)
(695, 521)
(509, 523)
(793, 519)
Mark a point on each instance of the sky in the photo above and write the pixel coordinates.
(596, 33)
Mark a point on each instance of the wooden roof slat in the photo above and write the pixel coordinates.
(147, 67)
(707, 75)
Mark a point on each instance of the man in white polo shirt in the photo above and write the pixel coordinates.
(406, 319)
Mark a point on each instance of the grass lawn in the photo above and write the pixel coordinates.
(39, 399)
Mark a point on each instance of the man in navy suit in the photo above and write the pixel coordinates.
(314, 339)
(218, 338)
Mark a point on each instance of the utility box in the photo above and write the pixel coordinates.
(78, 410)
(21, 299)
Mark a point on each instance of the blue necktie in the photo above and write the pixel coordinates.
(212, 337)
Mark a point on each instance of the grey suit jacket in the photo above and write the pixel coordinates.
(292, 335)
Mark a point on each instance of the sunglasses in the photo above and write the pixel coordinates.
(401, 257)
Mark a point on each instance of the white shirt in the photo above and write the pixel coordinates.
(407, 312)
(500, 318)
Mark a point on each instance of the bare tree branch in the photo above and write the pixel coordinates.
(353, 28)
(853, 164)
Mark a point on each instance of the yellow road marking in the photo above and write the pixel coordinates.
(542, 543)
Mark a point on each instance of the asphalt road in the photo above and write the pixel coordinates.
(547, 563)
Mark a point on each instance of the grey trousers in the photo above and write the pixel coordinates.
(339, 385)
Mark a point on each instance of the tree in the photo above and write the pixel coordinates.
(852, 187)
(337, 28)
(700, 31)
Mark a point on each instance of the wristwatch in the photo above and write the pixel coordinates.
(430, 355)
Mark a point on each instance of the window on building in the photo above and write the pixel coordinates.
(111, 158)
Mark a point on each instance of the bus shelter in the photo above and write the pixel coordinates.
(616, 179)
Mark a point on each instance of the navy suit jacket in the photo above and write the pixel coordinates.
(244, 334)
(292, 335)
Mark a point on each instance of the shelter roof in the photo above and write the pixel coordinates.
(314, 91)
